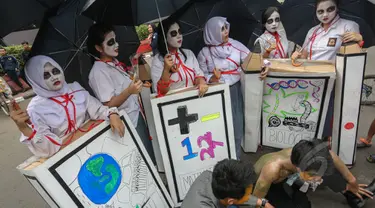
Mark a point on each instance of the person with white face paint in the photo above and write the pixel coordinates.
(177, 69)
(112, 84)
(324, 40)
(221, 61)
(58, 110)
(274, 42)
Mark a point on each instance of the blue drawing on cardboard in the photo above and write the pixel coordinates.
(99, 178)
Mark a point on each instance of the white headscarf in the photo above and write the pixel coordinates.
(213, 38)
(34, 71)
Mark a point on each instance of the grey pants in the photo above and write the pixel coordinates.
(143, 133)
(238, 115)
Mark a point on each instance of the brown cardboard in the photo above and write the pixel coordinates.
(253, 62)
(144, 72)
(350, 49)
(308, 66)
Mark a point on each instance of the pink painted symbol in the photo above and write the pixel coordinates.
(349, 126)
(211, 145)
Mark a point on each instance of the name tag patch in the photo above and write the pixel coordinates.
(332, 42)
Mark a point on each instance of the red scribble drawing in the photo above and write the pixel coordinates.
(211, 145)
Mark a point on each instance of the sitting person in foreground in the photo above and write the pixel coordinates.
(58, 110)
(230, 184)
(287, 175)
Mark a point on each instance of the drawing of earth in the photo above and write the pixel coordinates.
(99, 178)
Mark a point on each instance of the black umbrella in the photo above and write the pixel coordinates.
(298, 16)
(16, 14)
(63, 36)
(130, 12)
(194, 15)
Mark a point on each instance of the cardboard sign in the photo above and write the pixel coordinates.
(350, 72)
(100, 169)
(194, 134)
(293, 105)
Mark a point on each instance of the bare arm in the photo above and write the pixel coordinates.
(117, 101)
(265, 180)
(341, 167)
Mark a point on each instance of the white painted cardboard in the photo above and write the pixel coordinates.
(205, 137)
(252, 90)
(146, 102)
(349, 80)
(70, 178)
(294, 107)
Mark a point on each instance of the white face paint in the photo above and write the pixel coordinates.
(326, 11)
(110, 46)
(273, 22)
(225, 33)
(53, 77)
(174, 36)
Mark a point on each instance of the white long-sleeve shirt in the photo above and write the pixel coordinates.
(107, 81)
(50, 121)
(282, 46)
(188, 70)
(208, 62)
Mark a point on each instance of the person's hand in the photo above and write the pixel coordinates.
(264, 73)
(351, 36)
(358, 190)
(216, 77)
(271, 48)
(20, 117)
(116, 124)
(203, 87)
(268, 205)
(296, 55)
(17, 70)
(135, 87)
(168, 63)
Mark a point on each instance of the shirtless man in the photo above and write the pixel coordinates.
(285, 176)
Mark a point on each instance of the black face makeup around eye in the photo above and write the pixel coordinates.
(111, 42)
(46, 75)
(320, 11)
(269, 21)
(331, 9)
(56, 71)
(277, 19)
(174, 33)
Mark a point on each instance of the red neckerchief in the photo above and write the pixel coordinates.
(232, 71)
(315, 34)
(189, 73)
(118, 64)
(279, 46)
(66, 99)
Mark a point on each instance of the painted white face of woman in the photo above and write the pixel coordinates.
(273, 22)
(225, 33)
(174, 36)
(110, 46)
(326, 11)
(53, 77)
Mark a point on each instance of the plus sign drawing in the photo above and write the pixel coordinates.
(183, 119)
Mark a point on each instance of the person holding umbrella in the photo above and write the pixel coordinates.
(221, 61)
(59, 109)
(173, 67)
(274, 42)
(112, 84)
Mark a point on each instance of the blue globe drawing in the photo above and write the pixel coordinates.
(99, 178)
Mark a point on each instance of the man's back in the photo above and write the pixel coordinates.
(200, 194)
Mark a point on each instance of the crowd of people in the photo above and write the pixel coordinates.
(279, 179)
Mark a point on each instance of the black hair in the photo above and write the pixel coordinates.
(153, 27)
(267, 13)
(25, 42)
(230, 178)
(96, 36)
(313, 156)
(166, 24)
(320, 1)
